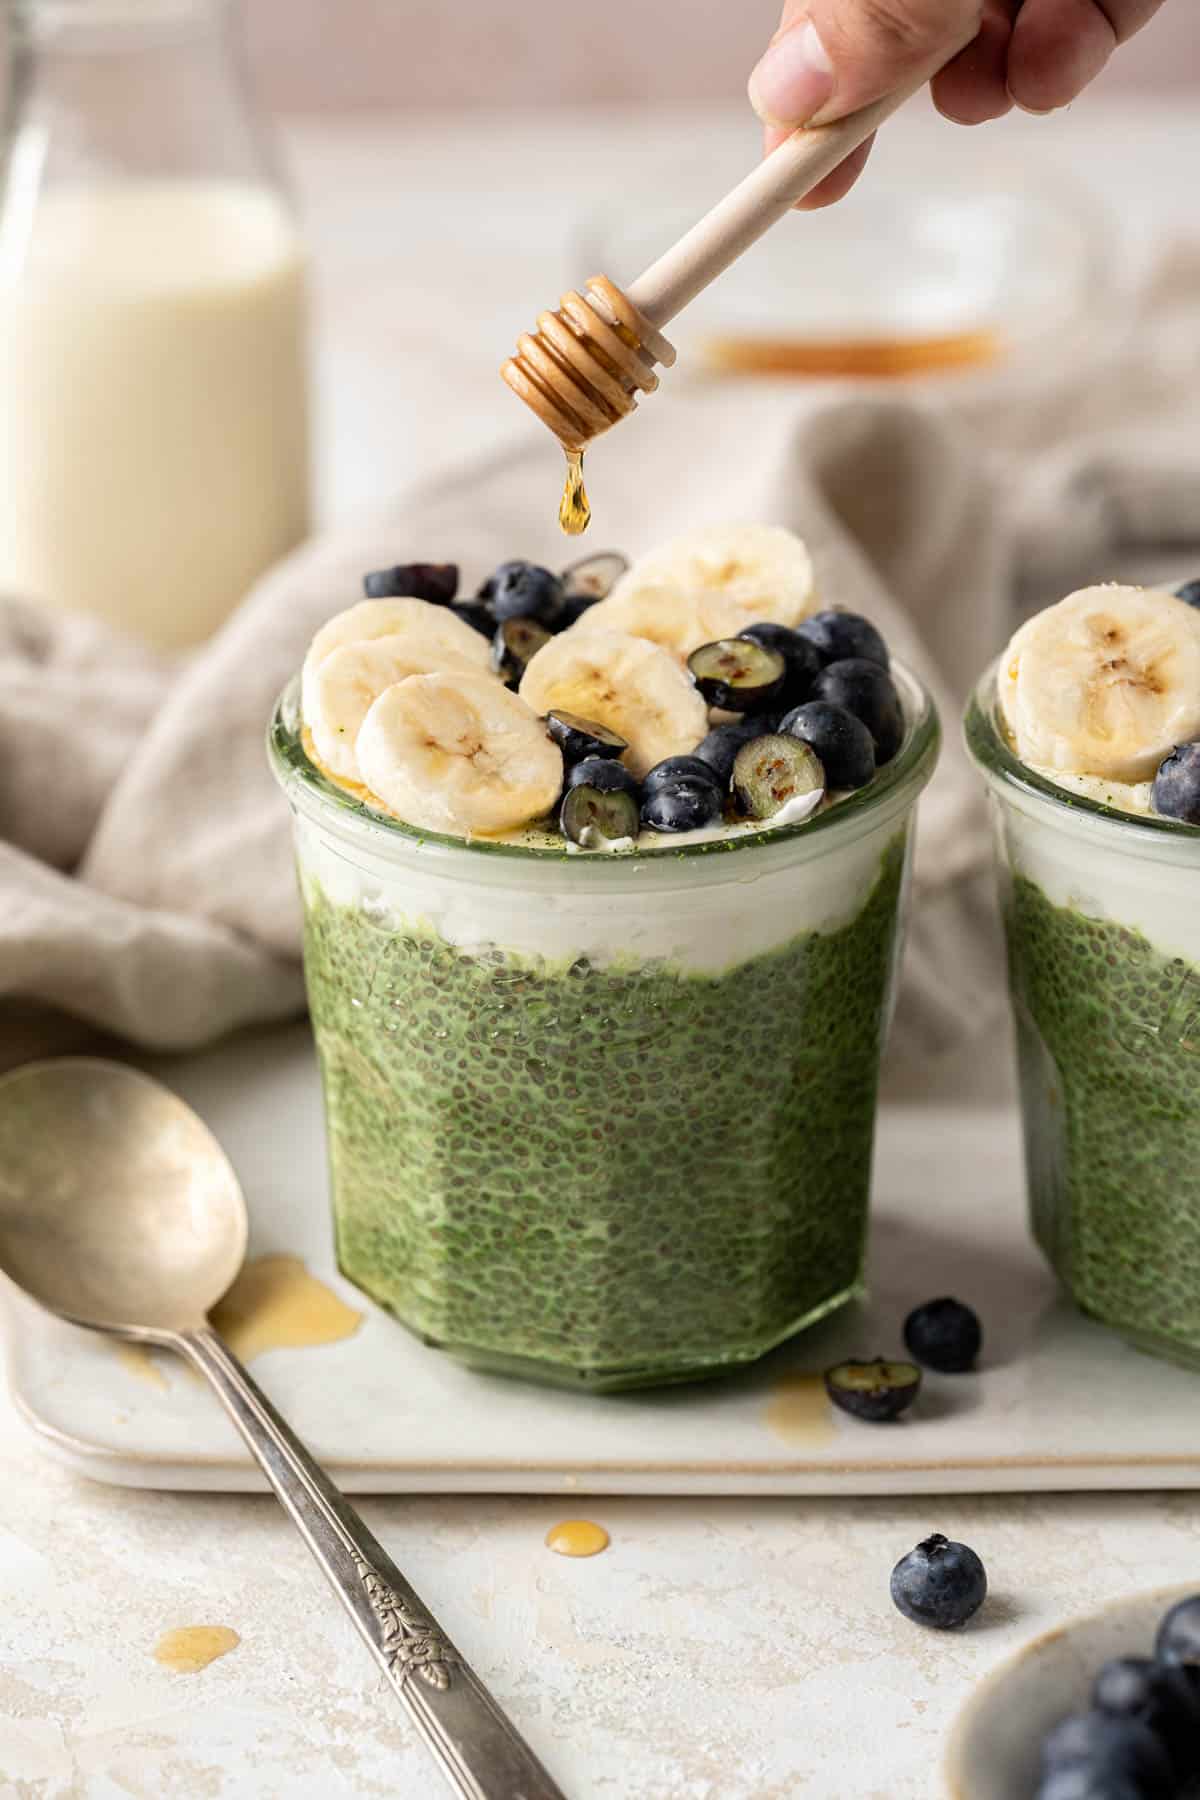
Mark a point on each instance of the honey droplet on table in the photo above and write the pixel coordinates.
(192, 1647)
(275, 1304)
(577, 1537)
(799, 1411)
(574, 512)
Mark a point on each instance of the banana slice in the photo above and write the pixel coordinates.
(765, 570)
(388, 618)
(349, 680)
(459, 753)
(1105, 683)
(634, 687)
(678, 620)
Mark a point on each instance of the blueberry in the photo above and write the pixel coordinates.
(573, 608)
(577, 737)
(1159, 1696)
(841, 742)
(1189, 591)
(472, 613)
(436, 582)
(1101, 1746)
(516, 643)
(939, 1583)
(723, 742)
(679, 768)
(802, 658)
(1178, 1639)
(605, 775)
(1083, 1781)
(522, 590)
(589, 814)
(867, 691)
(738, 674)
(771, 770)
(835, 636)
(1176, 791)
(593, 577)
(682, 806)
(944, 1335)
(877, 1391)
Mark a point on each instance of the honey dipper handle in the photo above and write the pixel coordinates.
(741, 218)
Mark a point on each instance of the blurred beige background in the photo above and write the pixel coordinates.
(413, 54)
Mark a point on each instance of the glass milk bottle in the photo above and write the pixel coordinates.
(153, 431)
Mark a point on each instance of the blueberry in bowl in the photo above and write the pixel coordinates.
(837, 636)
(523, 590)
(867, 691)
(840, 741)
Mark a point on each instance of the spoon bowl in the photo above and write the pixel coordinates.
(118, 1208)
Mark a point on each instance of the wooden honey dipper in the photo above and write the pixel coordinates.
(583, 368)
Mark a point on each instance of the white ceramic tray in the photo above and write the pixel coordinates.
(1059, 1403)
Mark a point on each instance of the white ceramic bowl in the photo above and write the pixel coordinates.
(993, 1748)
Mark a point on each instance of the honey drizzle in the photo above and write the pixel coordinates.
(574, 512)
(192, 1647)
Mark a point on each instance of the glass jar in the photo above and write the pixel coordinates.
(153, 433)
(1102, 913)
(603, 1120)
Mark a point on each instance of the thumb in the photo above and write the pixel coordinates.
(831, 57)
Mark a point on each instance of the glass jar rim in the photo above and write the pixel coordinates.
(1166, 840)
(891, 794)
(90, 22)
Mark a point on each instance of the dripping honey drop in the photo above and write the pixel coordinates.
(574, 512)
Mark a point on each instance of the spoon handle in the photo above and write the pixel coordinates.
(478, 1750)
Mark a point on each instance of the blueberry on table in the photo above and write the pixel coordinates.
(516, 643)
(436, 582)
(590, 815)
(604, 774)
(476, 615)
(770, 771)
(838, 635)
(869, 692)
(877, 1391)
(1176, 790)
(841, 742)
(1159, 1696)
(523, 590)
(682, 806)
(1178, 1639)
(738, 674)
(802, 658)
(577, 737)
(1189, 591)
(723, 742)
(679, 768)
(593, 577)
(944, 1335)
(940, 1583)
(1099, 1746)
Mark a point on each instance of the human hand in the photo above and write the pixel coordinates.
(830, 57)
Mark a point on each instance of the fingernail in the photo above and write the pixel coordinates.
(794, 79)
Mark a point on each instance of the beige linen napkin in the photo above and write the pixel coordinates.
(146, 884)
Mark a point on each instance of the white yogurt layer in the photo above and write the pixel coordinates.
(1125, 796)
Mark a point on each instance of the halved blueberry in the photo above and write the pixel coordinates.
(476, 615)
(577, 737)
(1189, 591)
(681, 805)
(723, 742)
(877, 1390)
(516, 643)
(802, 658)
(738, 674)
(771, 770)
(1176, 790)
(436, 582)
(593, 577)
(940, 1583)
(603, 773)
(944, 1335)
(680, 768)
(835, 636)
(523, 590)
(589, 813)
(842, 742)
(868, 692)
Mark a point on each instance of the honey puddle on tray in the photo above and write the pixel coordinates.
(577, 1537)
(799, 1411)
(192, 1647)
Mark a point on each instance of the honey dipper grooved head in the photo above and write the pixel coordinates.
(583, 368)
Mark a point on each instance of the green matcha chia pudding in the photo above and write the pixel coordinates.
(602, 1119)
(1101, 897)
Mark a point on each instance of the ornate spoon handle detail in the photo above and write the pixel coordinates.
(478, 1750)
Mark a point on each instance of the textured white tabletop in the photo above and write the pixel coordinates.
(720, 1650)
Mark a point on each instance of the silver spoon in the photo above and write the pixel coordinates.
(120, 1211)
